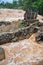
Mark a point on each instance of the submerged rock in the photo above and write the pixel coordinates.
(39, 37)
(40, 63)
(2, 54)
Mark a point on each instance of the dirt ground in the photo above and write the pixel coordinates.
(24, 52)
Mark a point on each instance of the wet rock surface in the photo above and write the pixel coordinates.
(2, 54)
(30, 17)
(30, 14)
(4, 23)
(23, 33)
(39, 36)
(19, 34)
(40, 63)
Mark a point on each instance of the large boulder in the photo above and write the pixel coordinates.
(40, 63)
(30, 14)
(2, 54)
(39, 36)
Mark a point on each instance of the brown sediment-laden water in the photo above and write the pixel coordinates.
(22, 52)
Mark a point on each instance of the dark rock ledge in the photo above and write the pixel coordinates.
(19, 34)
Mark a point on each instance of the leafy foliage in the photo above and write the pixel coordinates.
(39, 6)
(24, 4)
(9, 5)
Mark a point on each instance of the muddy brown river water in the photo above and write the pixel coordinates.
(24, 52)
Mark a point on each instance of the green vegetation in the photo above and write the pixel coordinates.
(38, 4)
(13, 5)
(21, 25)
(24, 4)
(33, 4)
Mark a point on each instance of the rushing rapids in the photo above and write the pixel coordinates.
(26, 50)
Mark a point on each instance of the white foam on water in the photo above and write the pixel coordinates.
(11, 63)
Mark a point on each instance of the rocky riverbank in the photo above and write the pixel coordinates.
(26, 50)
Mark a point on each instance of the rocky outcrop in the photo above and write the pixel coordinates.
(6, 26)
(19, 34)
(30, 14)
(2, 54)
(28, 22)
(39, 36)
(4, 23)
(30, 17)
